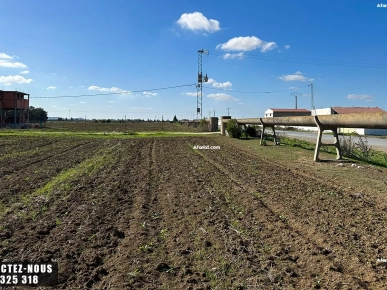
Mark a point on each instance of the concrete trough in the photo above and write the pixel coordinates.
(322, 122)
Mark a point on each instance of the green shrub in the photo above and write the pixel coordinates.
(234, 130)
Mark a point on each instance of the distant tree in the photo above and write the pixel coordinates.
(71, 119)
(175, 119)
(108, 121)
(37, 115)
(60, 119)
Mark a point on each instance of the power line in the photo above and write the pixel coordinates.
(115, 93)
(267, 92)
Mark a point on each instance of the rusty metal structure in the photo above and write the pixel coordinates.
(13, 106)
(322, 122)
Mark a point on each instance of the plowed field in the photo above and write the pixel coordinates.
(154, 213)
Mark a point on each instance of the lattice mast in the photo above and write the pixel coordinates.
(199, 86)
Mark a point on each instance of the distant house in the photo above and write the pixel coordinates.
(353, 110)
(286, 112)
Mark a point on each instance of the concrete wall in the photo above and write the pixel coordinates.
(325, 111)
(223, 125)
(214, 124)
(268, 113)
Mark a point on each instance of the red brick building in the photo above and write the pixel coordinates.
(14, 108)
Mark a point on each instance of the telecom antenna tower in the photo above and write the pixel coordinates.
(199, 86)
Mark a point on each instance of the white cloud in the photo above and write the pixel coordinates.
(197, 21)
(112, 90)
(70, 87)
(366, 98)
(54, 106)
(82, 102)
(5, 56)
(233, 55)
(51, 88)
(222, 85)
(268, 46)
(25, 72)
(14, 79)
(221, 97)
(111, 101)
(292, 88)
(215, 84)
(297, 76)
(191, 94)
(247, 43)
(287, 46)
(149, 94)
(6, 63)
(7, 84)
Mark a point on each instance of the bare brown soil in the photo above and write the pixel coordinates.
(153, 213)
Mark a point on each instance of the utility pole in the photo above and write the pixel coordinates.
(312, 100)
(295, 94)
(125, 123)
(228, 110)
(199, 86)
(209, 114)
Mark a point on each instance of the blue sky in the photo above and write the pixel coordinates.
(71, 48)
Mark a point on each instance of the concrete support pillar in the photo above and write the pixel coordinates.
(214, 124)
(262, 132)
(336, 143)
(223, 125)
(318, 144)
(274, 136)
